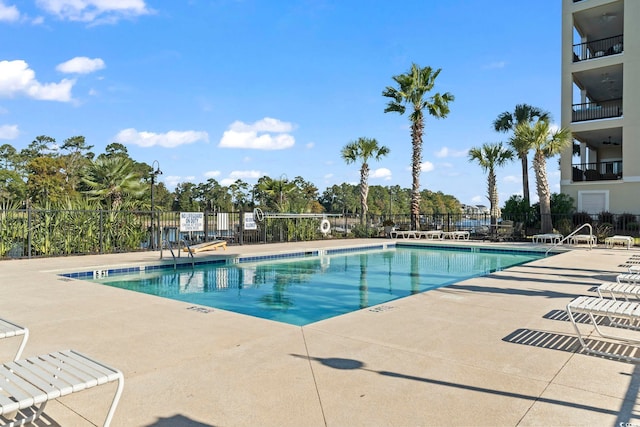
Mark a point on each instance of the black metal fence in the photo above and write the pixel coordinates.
(27, 233)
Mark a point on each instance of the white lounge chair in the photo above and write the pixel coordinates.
(547, 238)
(593, 306)
(9, 329)
(619, 289)
(610, 242)
(628, 278)
(32, 382)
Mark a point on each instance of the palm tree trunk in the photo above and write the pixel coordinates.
(364, 192)
(544, 194)
(525, 179)
(416, 167)
(494, 209)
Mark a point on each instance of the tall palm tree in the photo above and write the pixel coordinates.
(412, 89)
(546, 143)
(112, 180)
(363, 149)
(489, 157)
(507, 121)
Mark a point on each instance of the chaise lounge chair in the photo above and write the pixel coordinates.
(213, 245)
(9, 329)
(619, 289)
(593, 306)
(30, 383)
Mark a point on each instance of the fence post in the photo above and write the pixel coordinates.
(100, 234)
(29, 230)
(241, 227)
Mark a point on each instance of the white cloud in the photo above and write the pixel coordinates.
(328, 176)
(512, 178)
(383, 173)
(170, 139)
(9, 131)
(16, 78)
(243, 175)
(8, 13)
(446, 152)
(252, 174)
(265, 134)
(81, 65)
(426, 167)
(99, 11)
(310, 145)
(494, 65)
(171, 181)
(212, 174)
(478, 199)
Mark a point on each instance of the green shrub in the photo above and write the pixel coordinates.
(603, 231)
(564, 226)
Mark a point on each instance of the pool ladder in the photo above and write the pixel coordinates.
(170, 247)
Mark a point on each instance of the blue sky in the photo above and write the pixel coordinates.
(230, 89)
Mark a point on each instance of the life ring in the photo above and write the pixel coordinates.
(258, 214)
(325, 226)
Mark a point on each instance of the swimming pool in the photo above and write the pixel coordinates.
(307, 289)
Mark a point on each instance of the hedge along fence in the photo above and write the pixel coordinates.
(41, 232)
(35, 233)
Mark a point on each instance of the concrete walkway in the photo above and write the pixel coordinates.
(489, 351)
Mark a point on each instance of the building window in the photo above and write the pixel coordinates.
(593, 201)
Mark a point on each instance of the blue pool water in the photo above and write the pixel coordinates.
(305, 290)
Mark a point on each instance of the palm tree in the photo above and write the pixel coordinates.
(412, 89)
(112, 179)
(363, 149)
(546, 143)
(490, 156)
(506, 122)
(275, 193)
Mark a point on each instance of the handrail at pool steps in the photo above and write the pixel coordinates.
(175, 262)
(573, 233)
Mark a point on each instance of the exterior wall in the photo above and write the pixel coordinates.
(631, 95)
(622, 195)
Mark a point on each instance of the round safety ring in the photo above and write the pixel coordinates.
(258, 214)
(325, 226)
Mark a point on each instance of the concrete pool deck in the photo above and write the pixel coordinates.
(495, 350)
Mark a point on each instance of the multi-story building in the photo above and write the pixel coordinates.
(601, 104)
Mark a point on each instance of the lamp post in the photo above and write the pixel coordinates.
(282, 181)
(155, 171)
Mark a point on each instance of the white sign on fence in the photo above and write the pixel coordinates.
(191, 221)
(249, 221)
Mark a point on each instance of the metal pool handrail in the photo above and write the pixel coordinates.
(586, 224)
(175, 262)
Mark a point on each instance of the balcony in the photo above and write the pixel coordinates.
(598, 48)
(597, 110)
(601, 171)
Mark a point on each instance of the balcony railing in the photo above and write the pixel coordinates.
(601, 171)
(597, 110)
(598, 48)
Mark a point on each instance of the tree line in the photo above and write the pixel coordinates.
(48, 175)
